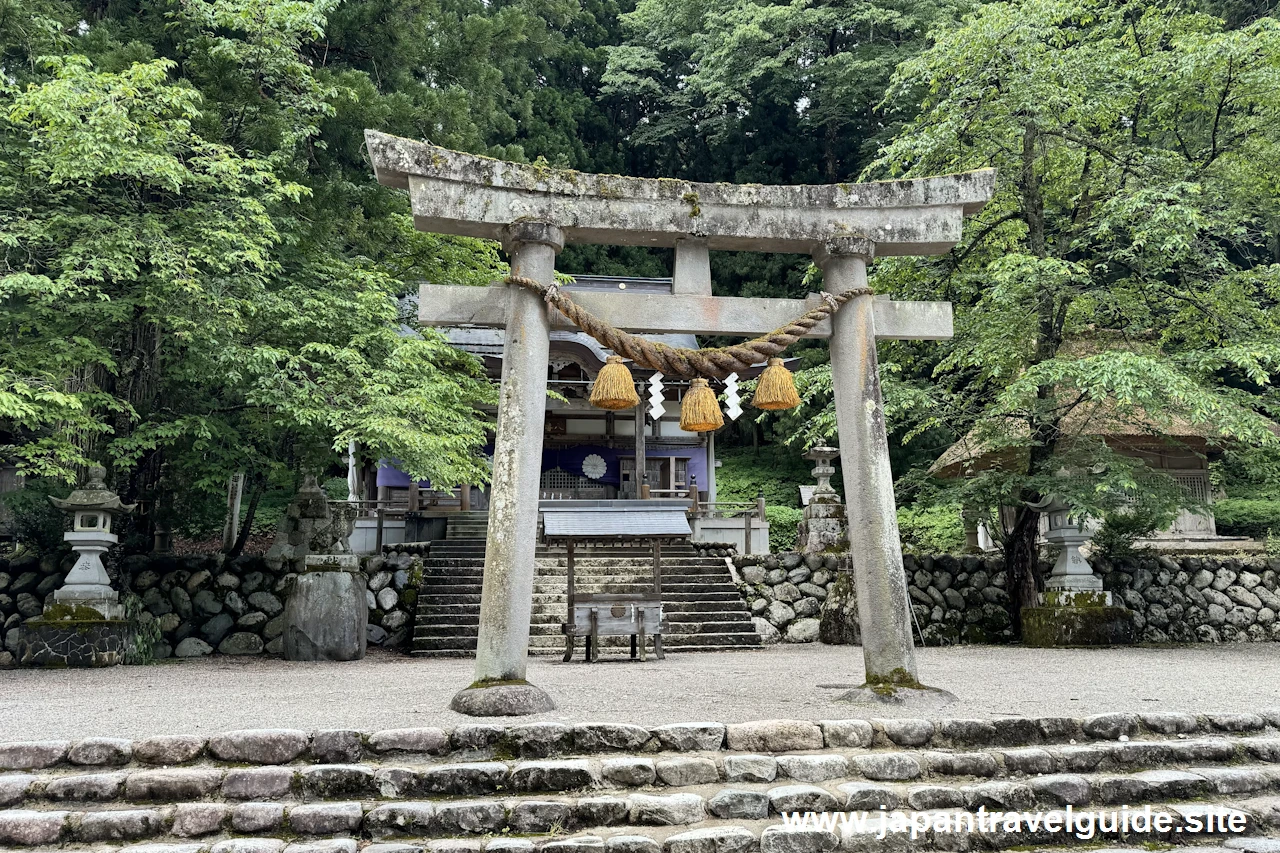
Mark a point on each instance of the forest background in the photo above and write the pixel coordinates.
(200, 275)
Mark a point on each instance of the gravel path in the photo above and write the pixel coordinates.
(390, 691)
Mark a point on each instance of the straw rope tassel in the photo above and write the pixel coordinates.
(700, 411)
(614, 388)
(776, 388)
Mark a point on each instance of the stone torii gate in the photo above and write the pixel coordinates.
(534, 210)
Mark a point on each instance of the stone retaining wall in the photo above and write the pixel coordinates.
(1198, 599)
(802, 598)
(203, 604)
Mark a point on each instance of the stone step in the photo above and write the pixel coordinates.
(674, 585)
(668, 595)
(1101, 743)
(452, 613)
(558, 605)
(439, 629)
(678, 629)
(640, 561)
(672, 641)
(440, 644)
(448, 589)
(738, 820)
(426, 597)
(644, 571)
(846, 781)
(764, 836)
(621, 649)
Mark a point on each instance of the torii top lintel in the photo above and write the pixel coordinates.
(469, 195)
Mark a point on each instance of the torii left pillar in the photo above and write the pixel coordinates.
(506, 602)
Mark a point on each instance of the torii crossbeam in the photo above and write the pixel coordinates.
(535, 210)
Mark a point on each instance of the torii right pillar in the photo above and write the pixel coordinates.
(880, 581)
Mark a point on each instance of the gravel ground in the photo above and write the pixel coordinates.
(391, 691)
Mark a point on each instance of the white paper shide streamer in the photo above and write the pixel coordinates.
(656, 409)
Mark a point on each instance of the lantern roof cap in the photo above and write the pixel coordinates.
(94, 494)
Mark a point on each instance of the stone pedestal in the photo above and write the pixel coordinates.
(327, 614)
(1074, 611)
(74, 635)
(1077, 618)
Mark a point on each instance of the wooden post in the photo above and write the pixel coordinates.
(640, 460)
(466, 498)
(414, 494)
(378, 543)
(657, 566)
(746, 518)
(693, 495)
(569, 566)
(711, 466)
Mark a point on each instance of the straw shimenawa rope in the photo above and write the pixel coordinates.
(715, 362)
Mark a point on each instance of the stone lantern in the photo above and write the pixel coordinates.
(1071, 572)
(94, 508)
(83, 623)
(1074, 609)
(822, 531)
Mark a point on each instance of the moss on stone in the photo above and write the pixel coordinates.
(1048, 627)
(495, 682)
(70, 613)
(889, 683)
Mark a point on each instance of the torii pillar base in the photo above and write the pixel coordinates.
(502, 699)
(898, 696)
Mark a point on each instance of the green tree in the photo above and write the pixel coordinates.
(1125, 272)
(779, 92)
(190, 280)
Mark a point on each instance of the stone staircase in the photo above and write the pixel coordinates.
(448, 613)
(704, 610)
(681, 788)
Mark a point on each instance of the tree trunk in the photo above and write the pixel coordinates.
(1022, 557)
(1022, 560)
(259, 486)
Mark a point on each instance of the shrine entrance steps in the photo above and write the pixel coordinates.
(702, 787)
(704, 610)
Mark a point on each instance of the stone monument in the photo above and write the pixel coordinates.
(824, 529)
(327, 614)
(310, 526)
(535, 211)
(1074, 609)
(83, 623)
